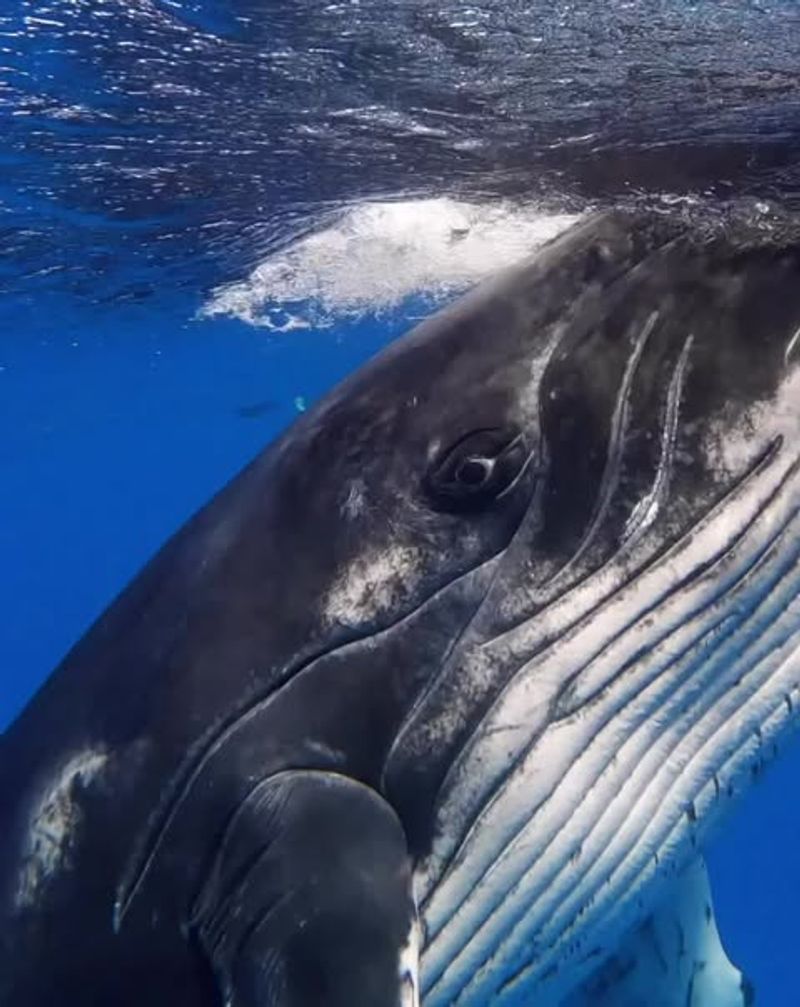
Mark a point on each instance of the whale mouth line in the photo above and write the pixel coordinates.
(209, 744)
(713, 662)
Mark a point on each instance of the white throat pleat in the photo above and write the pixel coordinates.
(644, 699)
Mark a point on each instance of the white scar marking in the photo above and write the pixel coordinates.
(792, 345)
(409, 967)
(54, 819)
(370, 584)
(647, 509)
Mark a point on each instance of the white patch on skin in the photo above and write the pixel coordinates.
(530, 397)
(333, 755)
(355, 502)
(54, 820)
(675, 959)
(408, 967)
(370, 584)
(730, 450)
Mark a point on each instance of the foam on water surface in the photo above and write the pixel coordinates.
(380, 254)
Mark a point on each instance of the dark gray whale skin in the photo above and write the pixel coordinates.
(207, 801)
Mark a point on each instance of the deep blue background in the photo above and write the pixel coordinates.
(115, 425)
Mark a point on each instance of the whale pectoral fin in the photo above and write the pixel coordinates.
(309, 900)
(674, 959)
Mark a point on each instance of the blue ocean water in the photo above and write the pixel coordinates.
(163, 315)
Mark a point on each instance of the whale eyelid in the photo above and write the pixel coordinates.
(497, 453)
(538, 471)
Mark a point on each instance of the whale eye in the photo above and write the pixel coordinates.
(476, 470)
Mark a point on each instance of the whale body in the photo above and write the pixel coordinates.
(441, 698)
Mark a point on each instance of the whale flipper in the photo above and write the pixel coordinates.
(674, 959)
(309, 899)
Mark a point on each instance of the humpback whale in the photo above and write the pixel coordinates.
(440, 699)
